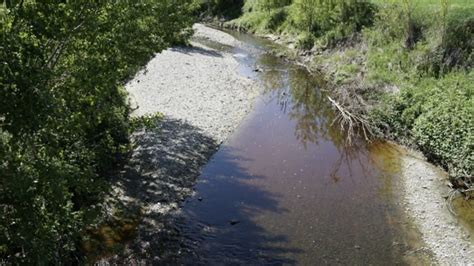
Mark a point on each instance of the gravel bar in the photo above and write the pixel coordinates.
(196, 84)
(203, 99)
(425, 190)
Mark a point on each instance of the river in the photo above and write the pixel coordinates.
(287, 189)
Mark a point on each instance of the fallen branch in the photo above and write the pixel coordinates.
(351, 122)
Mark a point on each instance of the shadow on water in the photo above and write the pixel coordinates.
(220, 218)
(150, 228)
(211, 228)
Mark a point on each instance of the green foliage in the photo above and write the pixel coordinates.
(276, 18)
(455, 51)
(260, 16)
(146, 122)
(433, 69)
(222, 8)
(396, 20)
(333, 20)
(305, 41)
(440, 37)
(437, 114)
(319, 17)
(63, 112)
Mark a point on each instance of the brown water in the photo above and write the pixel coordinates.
(285, 189)
(464, 210)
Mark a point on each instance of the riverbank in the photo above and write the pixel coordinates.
(202, 98)
(425, 186)
(404, 70)
(425, 193)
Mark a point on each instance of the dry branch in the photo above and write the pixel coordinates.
(351, 122)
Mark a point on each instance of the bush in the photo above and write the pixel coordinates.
(275, 19)
(400, 22)
(455, 51)
(262, 16)
(320, 17)
(437, 115)
(335, 20)
(223, 8)
(305, 41)
(63, 113)
(444, 130)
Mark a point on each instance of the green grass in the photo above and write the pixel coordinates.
(431, 3)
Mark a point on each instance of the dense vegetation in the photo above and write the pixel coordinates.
(411, 60)
(227, 9)
(64, 116)
(307, 20)
(429, 58)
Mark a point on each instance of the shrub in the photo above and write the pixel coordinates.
(437, 115)
(63, 113)
(223, 8)
(275, 19)
(333, 19)
(320, 17)
(305, 41)
(444, 130)
(455, 51)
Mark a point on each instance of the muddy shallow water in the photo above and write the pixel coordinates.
(286, 189)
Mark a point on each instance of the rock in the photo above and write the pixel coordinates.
(234, 222)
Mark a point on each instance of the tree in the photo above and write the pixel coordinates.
(64, 115)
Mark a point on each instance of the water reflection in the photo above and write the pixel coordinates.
(303, 98)
(286, 189)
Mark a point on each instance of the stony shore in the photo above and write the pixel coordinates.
(425, 201)
(203, 99)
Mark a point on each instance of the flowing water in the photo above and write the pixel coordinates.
(286, 189)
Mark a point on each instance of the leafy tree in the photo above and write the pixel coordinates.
(63, 112)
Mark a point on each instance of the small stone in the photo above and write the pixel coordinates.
(234, 222)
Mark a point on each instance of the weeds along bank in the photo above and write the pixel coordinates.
(64, 118)
(404, 66)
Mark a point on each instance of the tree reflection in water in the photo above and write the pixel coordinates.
(303, 97)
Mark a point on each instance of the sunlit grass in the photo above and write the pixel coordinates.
(431, 3)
